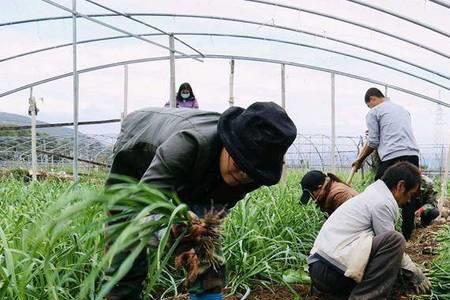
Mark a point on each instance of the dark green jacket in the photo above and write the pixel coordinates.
(175, 150)
(428, 194)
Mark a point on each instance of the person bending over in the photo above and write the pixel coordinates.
(358, 253)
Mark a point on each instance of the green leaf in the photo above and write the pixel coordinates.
(296, 276)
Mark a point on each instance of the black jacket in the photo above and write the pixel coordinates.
(175, 150)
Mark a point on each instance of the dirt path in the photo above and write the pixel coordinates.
(422, 249)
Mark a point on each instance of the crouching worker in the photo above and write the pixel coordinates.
(327, 190)
(427, 202)
(358, 254)
(209, 160)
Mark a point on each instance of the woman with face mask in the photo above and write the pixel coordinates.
(327, 190)
(185, 97)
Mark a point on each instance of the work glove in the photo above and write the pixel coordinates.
(357, 164)
(421, 283)
(416, 279)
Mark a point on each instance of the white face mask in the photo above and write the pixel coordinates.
(185, 95)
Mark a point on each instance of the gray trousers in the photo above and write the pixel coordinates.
(379, 277)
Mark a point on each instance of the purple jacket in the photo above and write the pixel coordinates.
(190, 103)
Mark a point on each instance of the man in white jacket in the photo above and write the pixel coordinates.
(358, 253)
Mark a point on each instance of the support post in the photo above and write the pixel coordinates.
(32, 111)
(333, 124)
(75, 92)
(173, 100)
(283, 105)
(231, 100)
(386, 91)
(283, 86)
(125, 92)
(444, 182)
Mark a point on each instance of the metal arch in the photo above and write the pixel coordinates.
(218, 56)
(68, 44)
(351, 139)
(315, 148)
(441, 3)
(143, 23)
(313, 12)
(17, 145)
(230, 20)
(299, 153)
(87, 17)
(337, 149)
(86, 143)
(45, 142)
(104, 151)
(391, 13)
(247, 37)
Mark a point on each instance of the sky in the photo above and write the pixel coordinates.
(308, 92)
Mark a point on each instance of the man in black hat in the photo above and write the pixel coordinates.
(209, 160)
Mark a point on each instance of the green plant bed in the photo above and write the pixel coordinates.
(267, 237)
(440, 271)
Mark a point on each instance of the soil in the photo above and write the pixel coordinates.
(422, 249)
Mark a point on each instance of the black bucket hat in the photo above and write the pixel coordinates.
(310, 182)
(257, 138)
